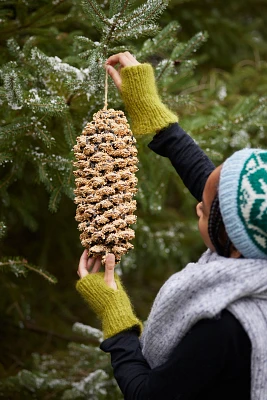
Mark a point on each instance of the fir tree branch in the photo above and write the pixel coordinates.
(142, 30)
(195, 89)
(20, 126)
(124, 8)
(12, 86)
(116, 4)
(69, 131)
(8, 179)
(114, 25)
(2, 229)
(98, 14)
(109, 37)
(192, 46)
(19, 28)
(2, 93)
(165, 39)
(9, 264)
(88, 331)
(184, 51)
(43, 331)
(5, 157)
(167, 63)
(55, 199)
(139, 13)
(69, 180)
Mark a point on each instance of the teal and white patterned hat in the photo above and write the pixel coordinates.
(243, 201)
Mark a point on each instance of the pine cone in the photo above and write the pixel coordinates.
(105, 184)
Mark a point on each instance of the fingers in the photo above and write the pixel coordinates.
(115, 75)
(97, 265)
(92, 265)
(86, 264)
(131, 57)
(124, 59)
(109, 271)
(82, 269)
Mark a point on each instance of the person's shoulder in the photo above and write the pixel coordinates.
(224, 331)
(225, 320)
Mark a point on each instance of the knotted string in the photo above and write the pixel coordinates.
(106, 92)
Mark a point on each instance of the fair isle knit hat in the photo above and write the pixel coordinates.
(243, 201)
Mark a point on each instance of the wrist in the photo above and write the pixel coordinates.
(138, 85)
(139, 92)
(115, 321)
(113, 307)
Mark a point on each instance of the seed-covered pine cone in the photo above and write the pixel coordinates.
(105, 184)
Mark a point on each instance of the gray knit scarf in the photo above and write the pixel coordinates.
(203, 290)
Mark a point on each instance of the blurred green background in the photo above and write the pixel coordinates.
(221, 102)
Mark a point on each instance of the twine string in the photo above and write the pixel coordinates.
(106, 91)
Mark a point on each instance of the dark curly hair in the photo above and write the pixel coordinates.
(216, 230)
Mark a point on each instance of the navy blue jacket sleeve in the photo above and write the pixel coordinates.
(211, 362)
(190, 162)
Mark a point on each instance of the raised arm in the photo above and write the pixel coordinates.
(190, 162)
(148, 115)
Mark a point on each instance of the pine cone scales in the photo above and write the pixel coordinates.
(105, 184)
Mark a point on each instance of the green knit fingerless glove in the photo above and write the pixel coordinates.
(113, 307)
(139, 92)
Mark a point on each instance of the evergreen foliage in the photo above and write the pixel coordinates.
(66, 375)
(2, 229)
(237, 29)
(51, 83)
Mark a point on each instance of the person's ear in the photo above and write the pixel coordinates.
(234, 253)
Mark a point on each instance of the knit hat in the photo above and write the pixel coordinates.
(243, 201)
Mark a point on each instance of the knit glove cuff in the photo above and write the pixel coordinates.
(140, 95)
(113, 307)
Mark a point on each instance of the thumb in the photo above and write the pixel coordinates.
(109, 271)
(115, 75)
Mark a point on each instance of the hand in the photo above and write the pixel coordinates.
(92, 265)
(139, 93)
(104, 293)
(124, 60)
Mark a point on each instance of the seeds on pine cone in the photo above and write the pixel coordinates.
(105, 184)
